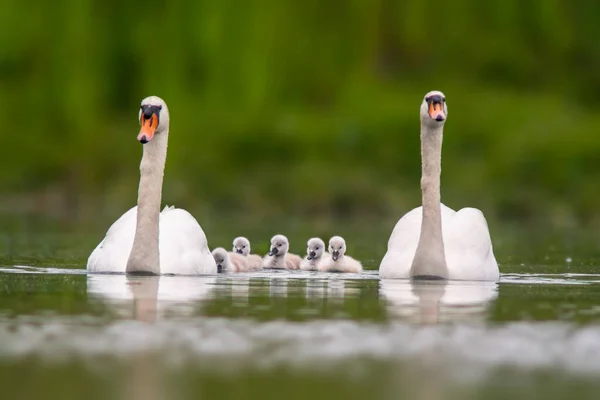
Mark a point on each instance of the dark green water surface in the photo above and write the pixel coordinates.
(65, 334)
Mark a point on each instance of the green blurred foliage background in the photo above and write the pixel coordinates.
(302, 108)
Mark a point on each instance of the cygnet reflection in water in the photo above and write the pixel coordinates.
(278, 287)
(336, 290)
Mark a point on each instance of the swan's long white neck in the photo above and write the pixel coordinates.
(144, 256)
(430, 258)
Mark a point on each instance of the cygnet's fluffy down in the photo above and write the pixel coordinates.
(315, 253)
(241, 245)
(278, 257)
(229, 262)
(338, 261)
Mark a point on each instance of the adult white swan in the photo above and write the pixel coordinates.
(144, 240)
(434, 241)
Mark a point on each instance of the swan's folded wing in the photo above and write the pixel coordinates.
(183, 245)
(406, 229)
(112, 253)
(402, 246)
(468, 246)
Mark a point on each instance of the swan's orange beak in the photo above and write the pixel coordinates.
(149, 126)
(436, 110)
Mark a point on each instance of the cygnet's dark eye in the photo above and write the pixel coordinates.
(243, 247)
(316, 248)
(278, 245)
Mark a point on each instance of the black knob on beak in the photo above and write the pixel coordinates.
(435, 99)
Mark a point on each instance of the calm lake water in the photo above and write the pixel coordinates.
(65, 334)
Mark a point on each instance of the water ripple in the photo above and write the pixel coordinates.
(229, 345)
(528, 278)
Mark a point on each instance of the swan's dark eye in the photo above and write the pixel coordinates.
(316, 248)
(243, 247)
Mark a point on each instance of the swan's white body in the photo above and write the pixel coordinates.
(434, 240)
(467, 244)
(182, 246)
(337, 260)
(144, 240)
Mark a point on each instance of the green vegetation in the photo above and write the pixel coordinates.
(302, 108)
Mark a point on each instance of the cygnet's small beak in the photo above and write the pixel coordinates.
(311, 255)
(239, 251)
(436, 108)
(273, 251)
(149, 122)
(219, 268)
(335, 255)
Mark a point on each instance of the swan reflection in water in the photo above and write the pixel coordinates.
(151, 296)
(148, 299)
(431, 302)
